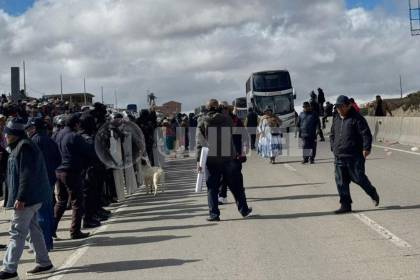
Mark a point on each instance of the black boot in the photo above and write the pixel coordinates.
(345, 208)
(91, 223)
(375, 199)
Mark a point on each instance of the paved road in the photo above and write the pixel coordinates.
(293, 234)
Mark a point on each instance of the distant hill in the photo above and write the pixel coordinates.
(409, 106)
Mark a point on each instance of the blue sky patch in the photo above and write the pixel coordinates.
(16, 7)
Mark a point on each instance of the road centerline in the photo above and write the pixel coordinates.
(382, 231)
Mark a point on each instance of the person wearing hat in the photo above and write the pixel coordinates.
(74, 152)
(36, 129)
(351, 143)
(308, 125)
(27, 187)
(269, 136)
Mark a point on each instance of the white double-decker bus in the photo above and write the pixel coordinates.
(273, 89)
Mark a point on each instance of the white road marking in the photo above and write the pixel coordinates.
(82, 250)
(291, 168)
(382, 231)
(398, 150)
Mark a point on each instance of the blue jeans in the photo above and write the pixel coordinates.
(24, 222)
(349, 170)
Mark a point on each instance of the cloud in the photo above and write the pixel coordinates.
(191, 50)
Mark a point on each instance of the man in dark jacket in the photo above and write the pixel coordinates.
(37, 131)
(146, 122)
(308, 125)
(27, 187)
(215, 132)
(351, 143)
(74, 152)
(251, 124)
(321, 101)
(328, 113)
(317, 111)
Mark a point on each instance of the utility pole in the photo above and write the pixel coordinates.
(61, 86)
(102, 94)
(24, 78)
(115, 99)
(84, 89)
(401, 91)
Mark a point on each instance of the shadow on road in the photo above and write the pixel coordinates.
(115, 241)
(152, 229)
(283, 186)
(124, 266)
(325, 213)
(307, 196)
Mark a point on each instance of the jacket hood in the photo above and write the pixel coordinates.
(216, 118)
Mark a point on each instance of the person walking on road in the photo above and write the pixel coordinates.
(269, 136)
(215, 132)
(36, 130)
(308, 125)
(351, 143)
(27, 187)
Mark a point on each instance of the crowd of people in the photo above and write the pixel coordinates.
(49, 161)
(49, 164)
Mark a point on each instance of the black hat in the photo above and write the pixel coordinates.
(342, 100)
(38, 123)
(306, 104)
(15, 126)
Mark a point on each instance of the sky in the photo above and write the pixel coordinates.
(195, 50)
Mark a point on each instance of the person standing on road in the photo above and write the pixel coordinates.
(269, 136)
(328, 113)
(215, 132)
(317, 111)
(27, 187)
(74, 152)
(321, 101)
(251, 123)
(351, 143)
(381, 107)
(308, 124)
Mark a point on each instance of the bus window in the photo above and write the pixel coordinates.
(269, 82)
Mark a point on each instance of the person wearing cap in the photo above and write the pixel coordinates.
(269, 136)
(308, 125)
(351, 143)
(74, 152)
(27, 187)
(36, 129)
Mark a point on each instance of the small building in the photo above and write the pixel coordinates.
(170, 109)
(73, 98)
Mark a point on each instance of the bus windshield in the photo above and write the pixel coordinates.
(240, 102)
(280, 104)
(271, 81)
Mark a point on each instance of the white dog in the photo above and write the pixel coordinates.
(153, 177)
